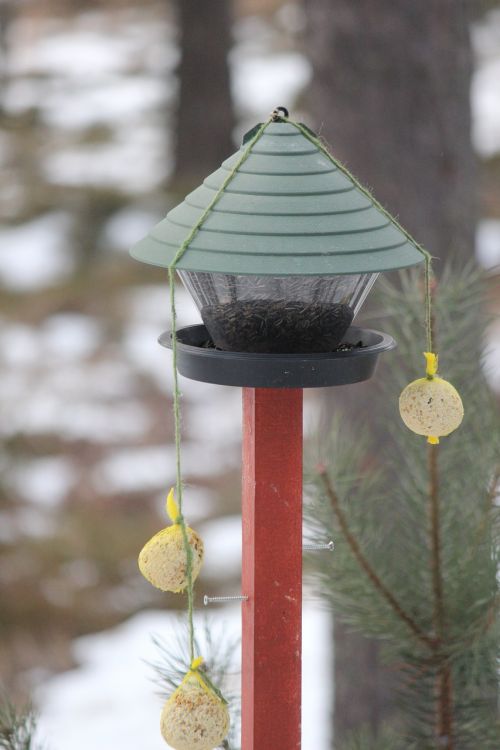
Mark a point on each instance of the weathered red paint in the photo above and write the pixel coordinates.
(272, 568)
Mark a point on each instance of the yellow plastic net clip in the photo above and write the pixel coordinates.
(194, 672)
(431, 364)
(172, 508)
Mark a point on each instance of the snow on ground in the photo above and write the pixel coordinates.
(37, 253)
(80, 419)
(92, 43)
(485, 97)
(486, 109)
(153, 466)
(488, 255)
(149, 308)
(491, 357)
(109, 701)
(60, 393)
(134, 161)
(116, 99)
(222, 542)
(64, 337)
(488, 242)
(128, 226)
(70, 336)
(45, 481)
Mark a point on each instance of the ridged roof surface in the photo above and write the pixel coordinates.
(287, 210)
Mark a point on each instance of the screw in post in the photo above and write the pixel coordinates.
(319, 546)
(211, 599)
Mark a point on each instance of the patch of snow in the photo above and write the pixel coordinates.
(485, 101)
(136, 469)
(317, 677)
(107, 423)
(254, 36)
(486, 36)
(37, 253)
(199, 503)
(491, 358)
(20, 345)
(153, 466)
(128, 226)
(62, 337)
(72, 52)
(488, 243)
(134, 161)
(100, 423)
(110, 101)
(113, 702)
(313, 410)
(222, 542)
(111, 698)
(216, 421)
(109, 378)
(92, 44)
(70, 336)
(92, 403)
(151, 304)
(150, 316)
(140, 346)
(45, 481)
(261, 81)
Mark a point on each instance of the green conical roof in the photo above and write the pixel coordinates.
(287, 210)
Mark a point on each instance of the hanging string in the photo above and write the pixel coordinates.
(427, 256)
(176, 392)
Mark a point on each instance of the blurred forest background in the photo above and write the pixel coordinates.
(110, 112)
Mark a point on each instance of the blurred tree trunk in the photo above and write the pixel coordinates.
(390, 94)
(205, 117)
(7, 13)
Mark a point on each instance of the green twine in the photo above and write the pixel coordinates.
(427, 256)
(178, 468)
(176, 392)
(171, 275)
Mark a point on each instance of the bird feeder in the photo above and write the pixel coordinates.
(278, 266)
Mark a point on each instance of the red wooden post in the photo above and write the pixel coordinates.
(272, 568)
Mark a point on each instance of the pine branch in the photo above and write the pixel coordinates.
(444, 685)
(17, 727)
(437, 581)
(408, 511)
(485, 525)
(218, 652)
(365, 565)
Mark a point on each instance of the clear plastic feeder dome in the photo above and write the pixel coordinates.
(277, 314)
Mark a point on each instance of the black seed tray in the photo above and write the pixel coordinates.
(355, 361)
